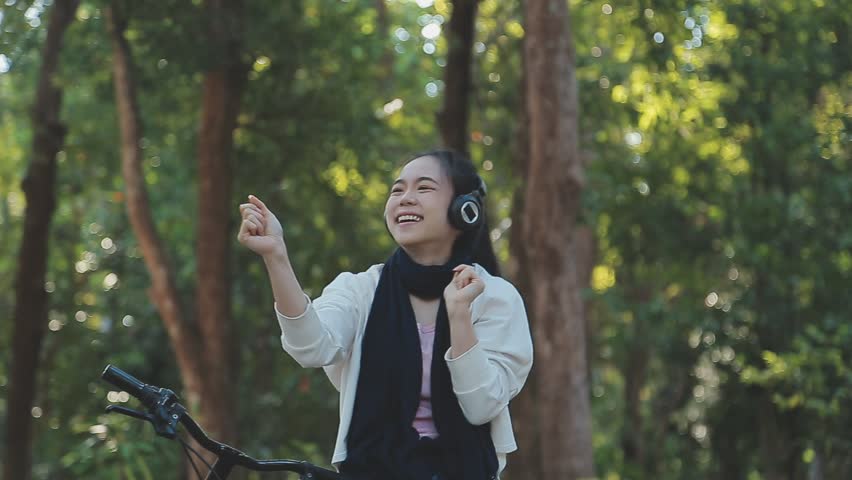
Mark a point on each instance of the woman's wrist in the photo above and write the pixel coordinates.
(278, 257)
(462, 336)
(458, 310)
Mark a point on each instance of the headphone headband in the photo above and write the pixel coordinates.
(481, 189)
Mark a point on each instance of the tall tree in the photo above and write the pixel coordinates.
(555, 180)
(39, 186)
(525, 462)
(386, 62)
(453, 118)
(164, 290)
(223, 86)
(205, 349)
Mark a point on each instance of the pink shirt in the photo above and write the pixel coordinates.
(423, 422)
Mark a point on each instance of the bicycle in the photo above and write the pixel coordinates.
(164, 412)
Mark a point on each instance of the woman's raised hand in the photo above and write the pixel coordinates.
(463, 289)
(260, 231)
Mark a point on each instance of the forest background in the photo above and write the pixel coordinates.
(668, 180)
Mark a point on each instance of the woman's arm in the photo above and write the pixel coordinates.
(492, 370)
(261, 232)
(289, 298)
(465, 287)
(323, 334)
(314, 336)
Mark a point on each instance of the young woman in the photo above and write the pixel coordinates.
(426, 349)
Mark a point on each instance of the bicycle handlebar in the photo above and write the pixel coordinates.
(123, 380)
(164, 412)
(146, 394)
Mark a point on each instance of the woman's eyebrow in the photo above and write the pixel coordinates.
(420, 179)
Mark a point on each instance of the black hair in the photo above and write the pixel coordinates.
(462, 174)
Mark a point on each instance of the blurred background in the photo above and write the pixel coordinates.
(669, 187)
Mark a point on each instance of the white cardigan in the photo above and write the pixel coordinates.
(328, 334)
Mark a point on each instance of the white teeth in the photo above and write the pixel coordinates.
(408, 218)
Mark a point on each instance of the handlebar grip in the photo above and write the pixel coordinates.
(125, 381)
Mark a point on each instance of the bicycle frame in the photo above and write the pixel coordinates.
(164, 413)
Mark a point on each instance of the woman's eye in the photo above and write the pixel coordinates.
(426, 187)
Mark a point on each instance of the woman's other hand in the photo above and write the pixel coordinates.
(260, 230)
(463, 289)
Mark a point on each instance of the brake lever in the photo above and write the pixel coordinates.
(164, 422)
(130, 412)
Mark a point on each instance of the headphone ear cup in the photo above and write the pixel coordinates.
(466, 212)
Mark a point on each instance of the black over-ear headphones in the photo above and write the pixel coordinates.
(467, 211)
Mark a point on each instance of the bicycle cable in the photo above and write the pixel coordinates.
(189, 457)
(200, 457)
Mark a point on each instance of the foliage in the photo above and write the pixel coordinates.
(718, 148)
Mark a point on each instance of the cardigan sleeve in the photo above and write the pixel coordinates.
(495, 369)
(323, 335)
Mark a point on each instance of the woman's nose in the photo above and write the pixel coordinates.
(408, 198)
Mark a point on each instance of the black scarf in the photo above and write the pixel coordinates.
(382, 441)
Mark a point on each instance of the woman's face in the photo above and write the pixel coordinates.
(416, 211)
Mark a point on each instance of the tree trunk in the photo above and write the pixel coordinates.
(387, 60)
(635, 373)
(554, 184)
(223, 86)
(525, 462)
(779, 451)
(163, 290)
(586, 252)
(205, 354)
(39, 185)
(453, 118)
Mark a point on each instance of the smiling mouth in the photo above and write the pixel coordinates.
(403, 219)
